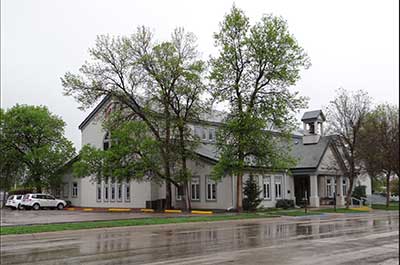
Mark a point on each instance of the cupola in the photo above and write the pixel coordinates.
(313, 126)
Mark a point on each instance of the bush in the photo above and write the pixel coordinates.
(359, 192)
(284, 204)
(251, 193)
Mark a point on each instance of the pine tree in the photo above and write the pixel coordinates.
(251, 193)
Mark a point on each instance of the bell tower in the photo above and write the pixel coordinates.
(313, 122)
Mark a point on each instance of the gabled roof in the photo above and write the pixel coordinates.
(94, 111)
(313, 115)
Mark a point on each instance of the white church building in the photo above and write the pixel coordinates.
(317, 174)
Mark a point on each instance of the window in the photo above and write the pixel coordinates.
(127, 191)
(119, 191)
(178, 193)
(344, 187)
(211, 134)
(75, 189)
(267, 187)
(197, 131)
(66, 190)
(195, 188)
(112, 189)
(98, 190)
(203, 134)
(211, 190)
(106, 141)
(106, 190)
(329, 187)
(278, 187)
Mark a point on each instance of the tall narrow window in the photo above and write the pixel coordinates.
(119, 191)
(112, 189)
(267, 187)
(344, 186)
(204, 134)
(178, 193)
(197, 131)
(106, 141)
(75, 189)
(98, 190)
(211, 134)
(195, 188)
(106, 190)
(128, 191)
(329, 187)
(211, 190)
(278, 187)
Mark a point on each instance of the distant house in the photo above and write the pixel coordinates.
(317, 174)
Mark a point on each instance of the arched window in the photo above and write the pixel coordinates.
(106, 141)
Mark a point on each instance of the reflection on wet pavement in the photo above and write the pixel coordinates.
(368, 239)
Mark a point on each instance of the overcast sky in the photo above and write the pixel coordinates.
(352, 44)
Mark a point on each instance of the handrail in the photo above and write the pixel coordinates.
(360, 202)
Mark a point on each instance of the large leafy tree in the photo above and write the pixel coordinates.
(380, 143)
(347, 114)
(156, 83)
(33, 147)
(253, 71)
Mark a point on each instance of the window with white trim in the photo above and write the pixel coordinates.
(119, 191)
(211, 189)
(203, 134)
(113, 189)
(98, 191)
(211, 134)
(106, 190)
(329, 190)
(178, 192)
(267, 187)
(344, 187)
(127, 191)
(278, 187)
(195, 189)
(74, 189)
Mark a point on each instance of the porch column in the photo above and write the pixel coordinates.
(339, 191)
(314, 199)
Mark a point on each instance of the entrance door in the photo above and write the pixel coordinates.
(301, 186)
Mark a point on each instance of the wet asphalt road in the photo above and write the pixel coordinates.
(347, 239)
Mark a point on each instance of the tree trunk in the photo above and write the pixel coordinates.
(168, 200)
(349, 191)
(388, 189)
(186, 196)
(239, 192)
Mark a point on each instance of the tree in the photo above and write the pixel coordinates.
(346, 115)
(159, 84)
(380, 143)
(254, 68)
(251, 193)
(33, 146)
(394, 186)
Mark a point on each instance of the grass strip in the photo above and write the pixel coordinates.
(392, 207)
(339, 210)
(30, 229)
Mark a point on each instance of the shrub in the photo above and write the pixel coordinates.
(359, 192)
(284, 204)
(251, 193)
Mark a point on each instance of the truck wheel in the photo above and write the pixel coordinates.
(60, 206)
(20, 207)
(36, 206)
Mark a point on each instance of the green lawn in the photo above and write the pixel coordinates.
(282, 212)
(338, 210)
(393, 206)
(29, 229)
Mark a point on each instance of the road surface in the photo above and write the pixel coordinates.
(344, 239)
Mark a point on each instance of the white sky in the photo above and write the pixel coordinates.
(352, 44)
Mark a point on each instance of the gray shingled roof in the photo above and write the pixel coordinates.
(312, 115)
(308, 156)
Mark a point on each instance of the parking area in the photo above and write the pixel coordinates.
(24, 217)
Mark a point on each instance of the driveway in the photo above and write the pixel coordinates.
(348, 239)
